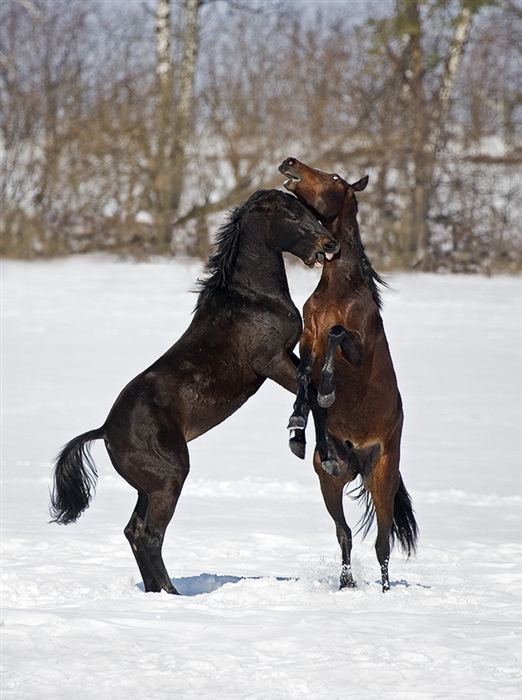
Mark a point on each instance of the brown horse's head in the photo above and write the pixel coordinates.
(325, 193)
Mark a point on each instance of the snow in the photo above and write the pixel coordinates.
(251, 546)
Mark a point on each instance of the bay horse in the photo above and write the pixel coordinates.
(344, 356)
(244, 330)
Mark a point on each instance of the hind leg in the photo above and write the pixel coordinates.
(382, 485)
(332, 489)
(132, 533)
(157, 468)
(149, 540)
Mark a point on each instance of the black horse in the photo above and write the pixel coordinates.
(243, 331)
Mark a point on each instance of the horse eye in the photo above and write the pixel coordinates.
(335, 178)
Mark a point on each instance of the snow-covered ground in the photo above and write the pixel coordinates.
(251, 545)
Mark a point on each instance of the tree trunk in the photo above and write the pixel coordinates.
(184, 107)
(419, 233)
(172, 120)
(427, 131)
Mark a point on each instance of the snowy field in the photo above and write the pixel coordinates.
(251, 546)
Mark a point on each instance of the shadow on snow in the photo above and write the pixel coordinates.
(207, 583)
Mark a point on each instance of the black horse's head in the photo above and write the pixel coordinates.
(292, 228)
(270, 220)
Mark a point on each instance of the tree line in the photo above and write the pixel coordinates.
(132, 127)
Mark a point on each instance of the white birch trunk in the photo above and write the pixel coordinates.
(449, 78)
(163, 64)
(188, 69)
(173, 120)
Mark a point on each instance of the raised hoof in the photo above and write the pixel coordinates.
(326, 400)
(331, 466)
(297, 445)
(296, 422)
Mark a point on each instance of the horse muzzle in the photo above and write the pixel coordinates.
(320, 257)
(289, 171)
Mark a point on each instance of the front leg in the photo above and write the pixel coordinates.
(299, 418)
(283, 369)
(307, 400)
(350, 345)
(323, 443)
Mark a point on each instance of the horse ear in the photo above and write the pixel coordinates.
(361, 184)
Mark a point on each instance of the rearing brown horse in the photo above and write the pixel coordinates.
(345, 357)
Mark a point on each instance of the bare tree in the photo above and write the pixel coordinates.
(173, 113)
(134, 131)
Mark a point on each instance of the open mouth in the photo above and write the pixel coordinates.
(292, 182)
(319, 258)
(293, 178)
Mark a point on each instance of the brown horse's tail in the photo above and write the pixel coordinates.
(404, 526)
(74, 478)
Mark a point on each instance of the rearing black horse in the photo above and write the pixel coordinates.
(243, 331)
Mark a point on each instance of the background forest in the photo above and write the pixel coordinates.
(131, 127)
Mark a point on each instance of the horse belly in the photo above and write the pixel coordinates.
(206, 411)
(367, 405)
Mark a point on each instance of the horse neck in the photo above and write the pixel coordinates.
(259, 269)
(346, 269)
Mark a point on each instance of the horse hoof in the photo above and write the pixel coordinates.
(331, 466)
(346, 579)
(349, 583)
(296, 423)
(297, 446)
(326, 400)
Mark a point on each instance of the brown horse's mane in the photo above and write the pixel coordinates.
(372, 278)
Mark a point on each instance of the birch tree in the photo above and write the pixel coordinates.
(174, 105)
(429, 112)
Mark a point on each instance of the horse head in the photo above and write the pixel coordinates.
(292, 228)
(325, 193)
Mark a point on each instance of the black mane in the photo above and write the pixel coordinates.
(371, 277)
(220, 266)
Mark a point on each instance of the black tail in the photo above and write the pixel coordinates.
(404, 526)
(74, 478)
